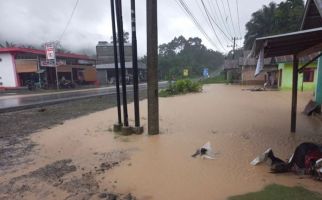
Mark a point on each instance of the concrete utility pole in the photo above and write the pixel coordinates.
(117, 127)
(119, 19)
(152, 65)
(137, 129)
(234, 45)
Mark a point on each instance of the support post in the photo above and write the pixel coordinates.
(294, 93)
(119, 19)
(138, 129)
(152, 65)
(117, 127)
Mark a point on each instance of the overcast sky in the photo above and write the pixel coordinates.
(39, 21)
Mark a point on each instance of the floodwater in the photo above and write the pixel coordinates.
(239, 124)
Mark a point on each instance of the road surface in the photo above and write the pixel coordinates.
(20, 102)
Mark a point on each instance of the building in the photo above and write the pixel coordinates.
(248, 68)
(106, 67)
(299, 44)
(105, 52)
(106, 72)
(232, 71)
(18, 66)
(306, 80)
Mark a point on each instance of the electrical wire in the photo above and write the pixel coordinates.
(215, 16)
(207, 11)
(231, 19)
(186, 9)
(69, 20)
(212, 27)
(238, 18)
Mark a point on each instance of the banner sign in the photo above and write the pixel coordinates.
(50, 51)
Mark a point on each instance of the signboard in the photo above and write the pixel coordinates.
(51, 63)
(50, 51)
(185, 72)
(205, 72)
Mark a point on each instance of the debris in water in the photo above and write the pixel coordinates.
(205, 151)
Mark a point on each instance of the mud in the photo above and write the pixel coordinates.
(60, 180)
(16, 127)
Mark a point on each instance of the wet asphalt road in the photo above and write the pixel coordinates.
(20, 102)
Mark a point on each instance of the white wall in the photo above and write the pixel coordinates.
(7, 71)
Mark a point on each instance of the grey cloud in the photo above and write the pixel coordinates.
(38, 21)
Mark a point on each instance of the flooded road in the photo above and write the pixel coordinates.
(18, 102)
(239, 124)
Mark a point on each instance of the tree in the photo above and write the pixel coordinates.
(182, 53)
(274, 19)
(126, 37)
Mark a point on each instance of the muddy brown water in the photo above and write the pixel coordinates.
(239, 124)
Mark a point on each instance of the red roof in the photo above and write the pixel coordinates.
(42, 52)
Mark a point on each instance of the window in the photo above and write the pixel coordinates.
(308, 75)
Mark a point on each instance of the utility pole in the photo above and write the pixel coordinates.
(234, 45)
(137, 128)
(119, 20)
(117, 127)
(152, 65)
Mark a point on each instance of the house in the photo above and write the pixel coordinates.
(18, 66)
(306, 80)
(299, 44)
(248, 68)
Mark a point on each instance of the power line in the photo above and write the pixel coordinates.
(206, 16)
(227, 17)
(222, 18)
(238, 18)
(197, 23)
(206, 10)
(231, 19)
(214, 13)
(184, 6)
(215, 22)
(69, 20)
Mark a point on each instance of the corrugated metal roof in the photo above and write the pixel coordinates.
(312, 17)
(288, 44)
(43, 52)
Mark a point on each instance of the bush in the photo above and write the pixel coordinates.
(181, 87)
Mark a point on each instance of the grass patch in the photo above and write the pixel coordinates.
(181, 87)
(279, 192)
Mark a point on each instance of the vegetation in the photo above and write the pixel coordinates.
(278, 192)
(274, 19)
(181, 87)
(213, 80)
(191, 54)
